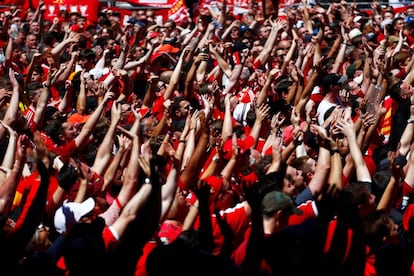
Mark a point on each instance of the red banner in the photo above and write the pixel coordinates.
(179, 12)
(87, 8)
(165, 4)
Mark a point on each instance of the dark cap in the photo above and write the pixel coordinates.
(409, 19)
(243, 28)
(332, 79)
(275, 201)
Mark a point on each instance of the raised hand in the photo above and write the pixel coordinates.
(144, 163)
(262, 112)
(115, 112)
(347, 127)
(276, 122)
(23, 143)
(13, 80)
(124, 142)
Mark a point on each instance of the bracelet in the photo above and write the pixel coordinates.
(216, 159)
(410, 121)
(333, 151)
(182, 141)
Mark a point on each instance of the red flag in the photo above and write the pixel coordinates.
(87, 8)
(179, 12)
(165, 4)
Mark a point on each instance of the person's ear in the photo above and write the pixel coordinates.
(61, 137)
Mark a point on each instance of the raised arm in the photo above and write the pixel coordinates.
(8, 187)
(168, 190)
(172, 85)
(58, 49)
(224, 66)
(8, 159)
(104, 154)
(191, 75)
(90, 124)
(261, 117)
(407, 136)
(42, 102)
(277, 25)
(227, 129)
(346, 126)
(190, 139)
(124, 147)
(12, 110)
(188, 176)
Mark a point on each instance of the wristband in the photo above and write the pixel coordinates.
(410, 121)
(333, 151)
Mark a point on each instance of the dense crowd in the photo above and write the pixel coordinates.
(253, 144)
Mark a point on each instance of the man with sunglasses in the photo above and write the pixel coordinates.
(181, 108)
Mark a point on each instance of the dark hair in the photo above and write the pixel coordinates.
(358, 193)
(204, 89)
(250, 117)
(47, 38)
(67, 176)
(376, 227)
(87, 54)
(270, 182)
(33, 87)
(54, 129)
(176, 103)
(5, 83)
(283, 86)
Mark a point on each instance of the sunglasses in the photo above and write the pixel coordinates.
(163, 86)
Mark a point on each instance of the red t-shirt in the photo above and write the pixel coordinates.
(65, 151)
(27, 188)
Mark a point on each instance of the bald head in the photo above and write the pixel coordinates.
(165, 76)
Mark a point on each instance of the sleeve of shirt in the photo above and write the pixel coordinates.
(66, 151)
(309, 210)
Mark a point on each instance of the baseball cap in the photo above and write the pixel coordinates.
(350, 70)
(70, 213)
(331, 79)
(354, 33)
(168, 48)
(274, 201)
(357, 18)
(409, 19)
(243, 28)
(393, 39)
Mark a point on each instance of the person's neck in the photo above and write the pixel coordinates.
(331, 97)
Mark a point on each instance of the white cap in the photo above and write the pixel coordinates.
(70, 213)
(354, 33)
(357, 18)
